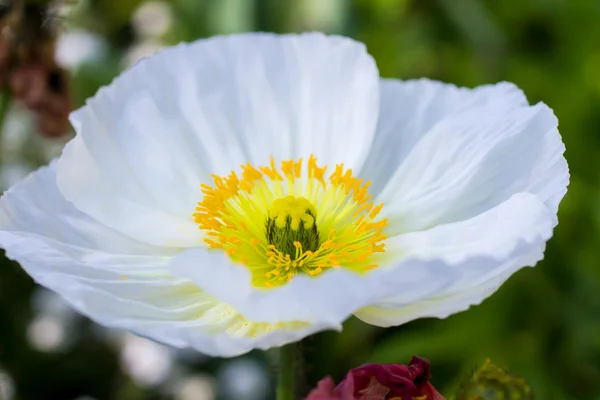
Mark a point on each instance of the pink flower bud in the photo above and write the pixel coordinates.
(380, 382)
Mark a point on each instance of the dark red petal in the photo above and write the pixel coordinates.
(347, 388)
(323, 391)
(419, 371)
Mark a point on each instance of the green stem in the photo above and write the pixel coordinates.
(288, 360)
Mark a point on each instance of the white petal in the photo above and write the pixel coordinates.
(447, 303)
(136, 294)
(328, 298)
(55, 243)
(470, 161)
(483, 251)
(409, 109)
(122, 294)
(214, 328)
(73, 255)
(121, 283)
(35, 207)
(120, 203)
(158, 131)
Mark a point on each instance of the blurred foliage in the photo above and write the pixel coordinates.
(543, 324)
(493, 383)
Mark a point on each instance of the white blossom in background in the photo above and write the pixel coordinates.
(7, 386)
(152, 19)
(46, 333)
(18, 127)
(16, 131)
(148, 363)
(246, 191)
(323, 15)
(79, 46)
(53, 326)
(243, 378)
(195, 387)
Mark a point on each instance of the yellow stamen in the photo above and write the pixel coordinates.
(284, 221)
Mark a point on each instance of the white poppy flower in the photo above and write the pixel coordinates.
(246, 191)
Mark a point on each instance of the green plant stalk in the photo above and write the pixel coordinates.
(288, 360)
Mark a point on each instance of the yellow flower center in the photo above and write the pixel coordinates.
(291, 226)
(280, 222)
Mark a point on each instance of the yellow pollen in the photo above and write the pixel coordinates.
(298, 209)
(292, 218)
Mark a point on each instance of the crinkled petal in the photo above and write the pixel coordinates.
(119, 282)
(36, 208)
(447, 302)
(146, 142)
(447, 258)
(409, 109)
(484, 251)
(466, 161)
(328, 298)
(195, 320)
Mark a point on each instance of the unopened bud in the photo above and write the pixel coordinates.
(493, 383)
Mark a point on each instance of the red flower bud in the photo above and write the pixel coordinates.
(381, 382)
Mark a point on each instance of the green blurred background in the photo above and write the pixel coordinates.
(543, 324)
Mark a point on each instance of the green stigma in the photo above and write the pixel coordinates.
(292, 219)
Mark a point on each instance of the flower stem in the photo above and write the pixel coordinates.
(288, 360)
